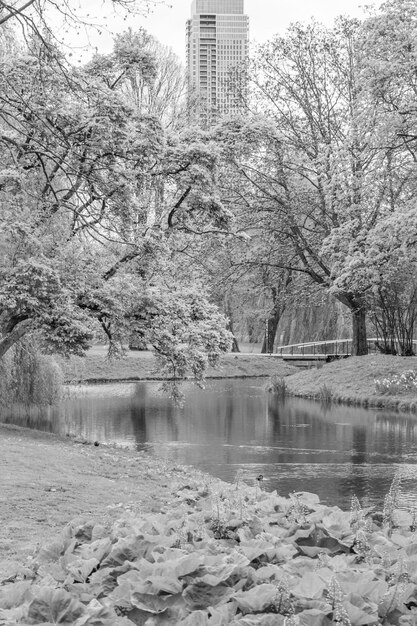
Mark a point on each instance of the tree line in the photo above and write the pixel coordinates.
(122, 219)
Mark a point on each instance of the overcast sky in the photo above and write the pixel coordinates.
(266, 18)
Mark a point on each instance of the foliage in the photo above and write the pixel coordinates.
(29, 377)
(276, 561)
(394, 314)
(397, 383)
(97, 203)
(325, 394)
(325, 166)
(278, 386)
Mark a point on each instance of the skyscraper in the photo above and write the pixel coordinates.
(217, 40)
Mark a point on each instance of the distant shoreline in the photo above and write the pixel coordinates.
(348, 381)
(138, 366)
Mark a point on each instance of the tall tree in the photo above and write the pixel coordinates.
(92, 193)
(317, 162)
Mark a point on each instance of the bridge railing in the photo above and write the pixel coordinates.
(336, 347)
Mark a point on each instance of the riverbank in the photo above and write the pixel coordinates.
(94, 367)
(47, 480)
(152, 543)
(352, 381)
(348, 381)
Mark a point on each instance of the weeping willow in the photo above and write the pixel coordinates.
(29, 377)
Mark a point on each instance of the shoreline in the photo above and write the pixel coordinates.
(21, 465)
(47, 480)
(155, 379)
(191, 547)
(350, 382)
(139, 366)
(65, 502)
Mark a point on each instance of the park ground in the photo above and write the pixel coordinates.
(45, 480)
(142, 365)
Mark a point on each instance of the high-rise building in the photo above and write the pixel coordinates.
(217, 40)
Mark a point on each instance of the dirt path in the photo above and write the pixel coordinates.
(46, 481)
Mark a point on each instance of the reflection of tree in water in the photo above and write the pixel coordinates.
(395, 434)
(304, 429)
(151, 411)
(35, 417)
(333, 439)
(229, 407)
(358, 482)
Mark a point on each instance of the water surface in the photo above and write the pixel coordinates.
(234, 425)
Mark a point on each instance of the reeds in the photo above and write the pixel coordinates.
(278, 386)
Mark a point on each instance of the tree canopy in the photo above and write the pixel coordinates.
(94, 193)
(326, 159)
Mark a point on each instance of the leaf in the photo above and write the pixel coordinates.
(98, 549)
(82, 569)
(310, 499)
(319, 540)
(364, 583)
(361, 616)
(187, 565)
(14, 595)
(256, 599)
(215, 576)
(127, 549)
(309, 586)
(164, 583)
(152, 603)
(13, 616)
(54, 605)
(200, 596)
(269, 571)
(222, 614)
(261, 620)
(313, 617)
(197, 618)
(54, 570)
(51, 552)
(97, 615)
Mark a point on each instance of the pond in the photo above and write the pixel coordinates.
(235, 426)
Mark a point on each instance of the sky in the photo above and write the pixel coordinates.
(167, 21)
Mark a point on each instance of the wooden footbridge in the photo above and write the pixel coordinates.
(320, 350)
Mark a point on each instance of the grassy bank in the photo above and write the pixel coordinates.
(352, 381)
(138, 365)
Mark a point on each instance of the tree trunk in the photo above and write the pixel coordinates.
(358, 310)
(270, 332)
(13, 337)
(359, 339)
(235, 345)
(275, 315)
(229, 326)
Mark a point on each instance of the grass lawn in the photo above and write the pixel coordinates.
(142, 365)
(352, 381)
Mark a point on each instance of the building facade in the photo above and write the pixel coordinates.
(217, 39)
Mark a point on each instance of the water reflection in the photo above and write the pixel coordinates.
(234, 425)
